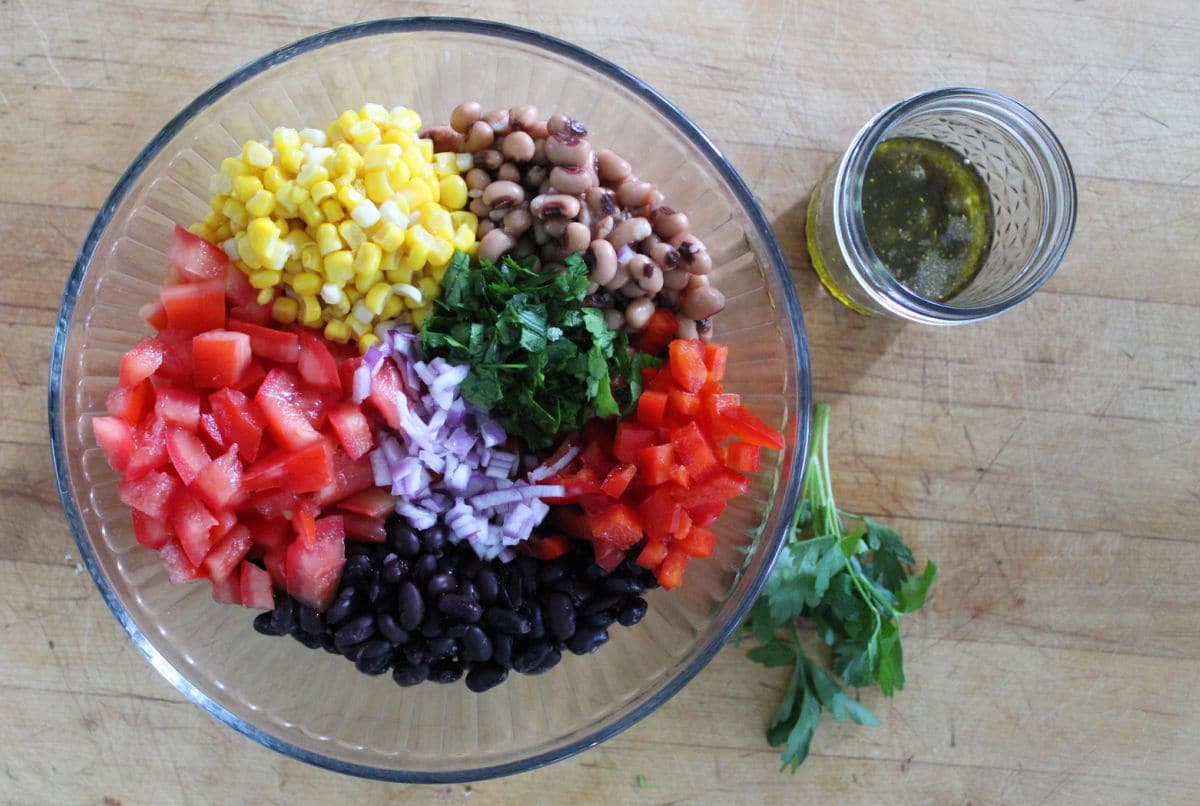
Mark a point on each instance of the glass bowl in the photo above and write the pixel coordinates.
(317, 707)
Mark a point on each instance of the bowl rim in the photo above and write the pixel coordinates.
(790, 492)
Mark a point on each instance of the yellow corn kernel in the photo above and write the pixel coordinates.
(405, 119)
(222, 233)
(201, 230)
(310, 257)
(418, 316)
(265, 296)
(381, 155)
(310, 310)
(452, 192)
(445, 164)
(399, 174)
(435, 190)
(337, 331)
(245, 253)
(296, 239)
(245, 187)
(366, 341)
(464, 238)
(367, 259)
(364, 282)
(257, 154)
(265, 278)
(374, 112)
(438, 272)
(339, 267)
(465, 218)
(415, 193)
(290, 160)
(272, 178)
(346, 159)
(393, 307)
(389, 237)
(364, 132)
(235, 212)
(441, 253)
(298, 195)
(261, 233)
(213, 220)
(429, 289)
(284, 137)
(312, 174)
(352, 234)
(435, 219)
(232, 167)
(217, 203)
(349, 196)
(345, 122)
(307, 282)
(326, 236)
(417, 243)
(285, 310)
(377, 296)
(402, 275)
(339, 309)
(261, 204)
(377, 186)
(312, 215)
(425, 146)
(321, 191)
(332, 210)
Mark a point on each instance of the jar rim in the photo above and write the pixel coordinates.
(1055, 178)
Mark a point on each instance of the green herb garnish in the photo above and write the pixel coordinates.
(541, 362)
(853, 587)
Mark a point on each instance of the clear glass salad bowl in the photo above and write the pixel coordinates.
(317, 707)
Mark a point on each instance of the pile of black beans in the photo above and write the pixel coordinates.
(428, 609)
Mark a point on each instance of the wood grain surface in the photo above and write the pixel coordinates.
(1049, 460)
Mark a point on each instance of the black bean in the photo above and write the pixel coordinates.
(601, 619)
(352, 652)
(488, 584)
(410, 674)
(601, 603)
(455, 630)
(560, 616)
(528, 656)
(528, 568)
(469, 590)
(476, 646)
(341, 608)
(402, 538)
(550, 661)
(447, 564)
(537, 621)
(594, 573)
(441, 583)
(514, 590)
(442, 647)
(576, 589)
(375, 591)
(469, 567)
(411, 606)
(485, 676)
(459, 607)
(265, 624)
(507, 621)
(631, 612)
(414, 653)
(311, 641)
(550, 572)
(424, 567)
(445, 671)
(433, 540)
(375, 648)
(328, 644)
(431, 627)
(356, 630)
(587, 640)
(357, 571)
(310, 619)
(355, 548)
(623, 585)
(394, 570)
(374, 665)
(502, 647)
(390, 629)
(284, 615)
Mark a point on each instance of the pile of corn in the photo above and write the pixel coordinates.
(344, 228)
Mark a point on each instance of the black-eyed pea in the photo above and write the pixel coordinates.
(602, 228)
(499, 121)
(705, 328)
(701, 303)
(675, 280)
(576, 237)
(614, 318)
(697, 280)
(485, 226)
(538, 131)
(663, 254)
(693, 256)
(503, 194)
(518, 147)
(647, 274)
(489, 159)
(477, 179)
(509, 172)
(444, 138)
(569, 149)
(634, 193)
(556, 228)
(463, 115)
(686, 329)
(534, 176)
(570, 179)
(629, 231)
(558, 123)
(620, 277)
(668, 222)
(554, 205)
(638, 313)
(523, 116)
(495, 244)
(601, 258)
(517, 221)
(479, 136)
(600, 201)
(612, 167)
(539, 231)
(479, 208)
(631, 290)
(669, 298)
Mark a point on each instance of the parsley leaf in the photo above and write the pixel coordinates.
(852, 586)
(540, 361)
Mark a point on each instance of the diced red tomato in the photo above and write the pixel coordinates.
(744, 456)
(141, 361)
(276, 563)
(179, 568)
(131, 404)
(352, 429)
(150, 532)
(239, 420)
(617, 480)
(149, 449)
(226, 520)
(154, 314)
(151, 494)
(115, 437)
(257, 592)
(243, 297)
(187, 454)
(629, 438)
(273, 503)
(385, 386)
(716, 357)
(195, 307)
(250, 379)
(219, 483)
(651, 408)
(617, 524)
(210, 434)
(220, 358)
(670, 571)
(195, 258)
(177, 356)
(350, 476)
(313, 568)
(316, 364)
(376, 503)
(652, 554)
(361, 527)
(746, 425)
(269, 343)
(277, 399)
(699, 542)
(268, 534)
(301, 471)
(658, 332)
(654, 463)
(193, 525)
(228, 589)
(687, 364)
(223, 560)
(178, 407)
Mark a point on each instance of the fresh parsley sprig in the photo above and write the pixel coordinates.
(852, 587)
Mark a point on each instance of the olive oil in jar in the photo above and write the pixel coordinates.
(928, 215)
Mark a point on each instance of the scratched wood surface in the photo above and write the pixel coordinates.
(1049, 460)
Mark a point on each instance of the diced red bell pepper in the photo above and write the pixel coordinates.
(654, 463)
(220, 358)
(716, 357)
(617, 480)
(239, 421)
(151, 494)
(115, 437)
(660, 514)
(714, 404)
(316, 364)
(269, 343)
(695, 452)
(630, 437)
(195, 307)
(149, 447)
(616, 524)
(682, 526)
(361, 527)
(699, 542)
(300, 471)
(352, 429)
(687, 364)
(547, 547)
(651, 408)
(141, 361)
(660, 381)
(724, 485)
(193, 525)
(607, 555)
(257, 592)
(277, 398)
(187, 454)
(670, 571)
(131, 404)
(684, 405)
(314, 568)
(658, 332)
(222, 562)
(219, 483)
(705, 515)
(745, 424)
(652, 554)
(195, 258)
(150, 532)
(178, 407)
(376, 503)
(572, 522)
(179, 568)
(744, 456)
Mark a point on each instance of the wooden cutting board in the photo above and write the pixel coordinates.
(1048, 460)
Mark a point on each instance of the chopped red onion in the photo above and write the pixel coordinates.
(545, 471)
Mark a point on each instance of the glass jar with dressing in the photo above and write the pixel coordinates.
(949, 207)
